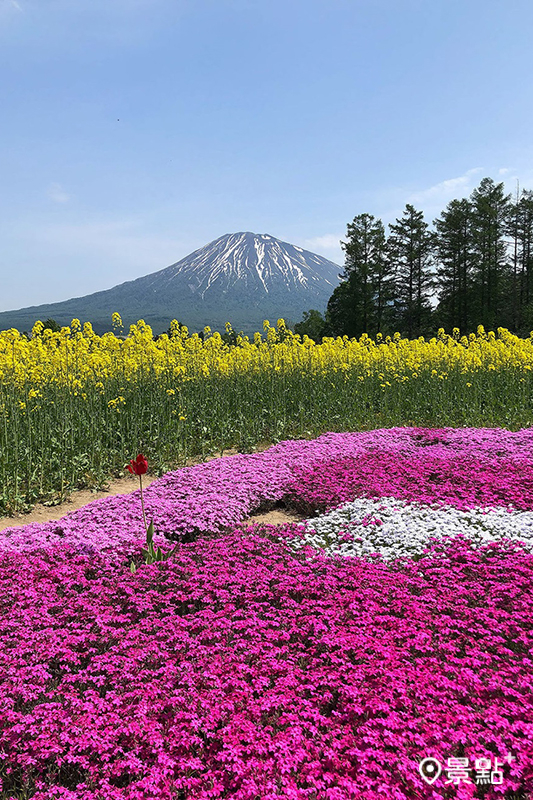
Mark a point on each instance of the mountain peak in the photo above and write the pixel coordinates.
(253, 262)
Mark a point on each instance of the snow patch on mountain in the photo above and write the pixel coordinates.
(257, 261)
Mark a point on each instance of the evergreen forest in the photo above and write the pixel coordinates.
(473, 267)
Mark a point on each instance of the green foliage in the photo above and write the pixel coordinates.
(312, 325)
(455, 256)
(477, 264)
(60, 442)
(520, 228)
(491, 210)
(367, 270)
(411, 250)
(52, 325)
(229, 336)
(341, 313)
(151, 555)
(171, 331)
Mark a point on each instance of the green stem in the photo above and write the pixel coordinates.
(172, 551)
(142, 502)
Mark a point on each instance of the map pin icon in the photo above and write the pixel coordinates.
(430, 769)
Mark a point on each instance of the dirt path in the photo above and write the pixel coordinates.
(82, 497)
(76, 500)
(126, 485)
(276, 517)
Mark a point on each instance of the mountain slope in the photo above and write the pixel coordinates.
(242, 278)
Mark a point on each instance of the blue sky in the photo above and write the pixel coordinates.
(133, 132)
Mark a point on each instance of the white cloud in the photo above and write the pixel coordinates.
(432, 201)
(7, 6)
(327, 245)
(445, 191)
(328, 240)
(57, 193)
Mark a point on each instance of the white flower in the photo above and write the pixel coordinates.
(406, 528)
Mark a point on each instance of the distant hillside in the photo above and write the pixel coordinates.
(242, 278)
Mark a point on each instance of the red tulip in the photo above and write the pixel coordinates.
(138, 466)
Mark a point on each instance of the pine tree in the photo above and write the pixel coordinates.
(359, 305)
(492, 273)
(455, 257)
(365, 269)
(52, 325)
(312, 324)
(383, 282)
(341, 318)
(521, 230)
(411, 251)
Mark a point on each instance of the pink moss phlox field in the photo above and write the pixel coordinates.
(474, 465)
(436, 473)
(242, 669)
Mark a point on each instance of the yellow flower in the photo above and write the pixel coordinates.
(174, 327)
(117, 402)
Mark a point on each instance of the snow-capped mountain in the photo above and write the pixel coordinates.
(248, 261)
(242, 278)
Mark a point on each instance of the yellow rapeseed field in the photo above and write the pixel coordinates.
(75, 406)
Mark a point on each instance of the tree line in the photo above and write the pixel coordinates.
(477, 262)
